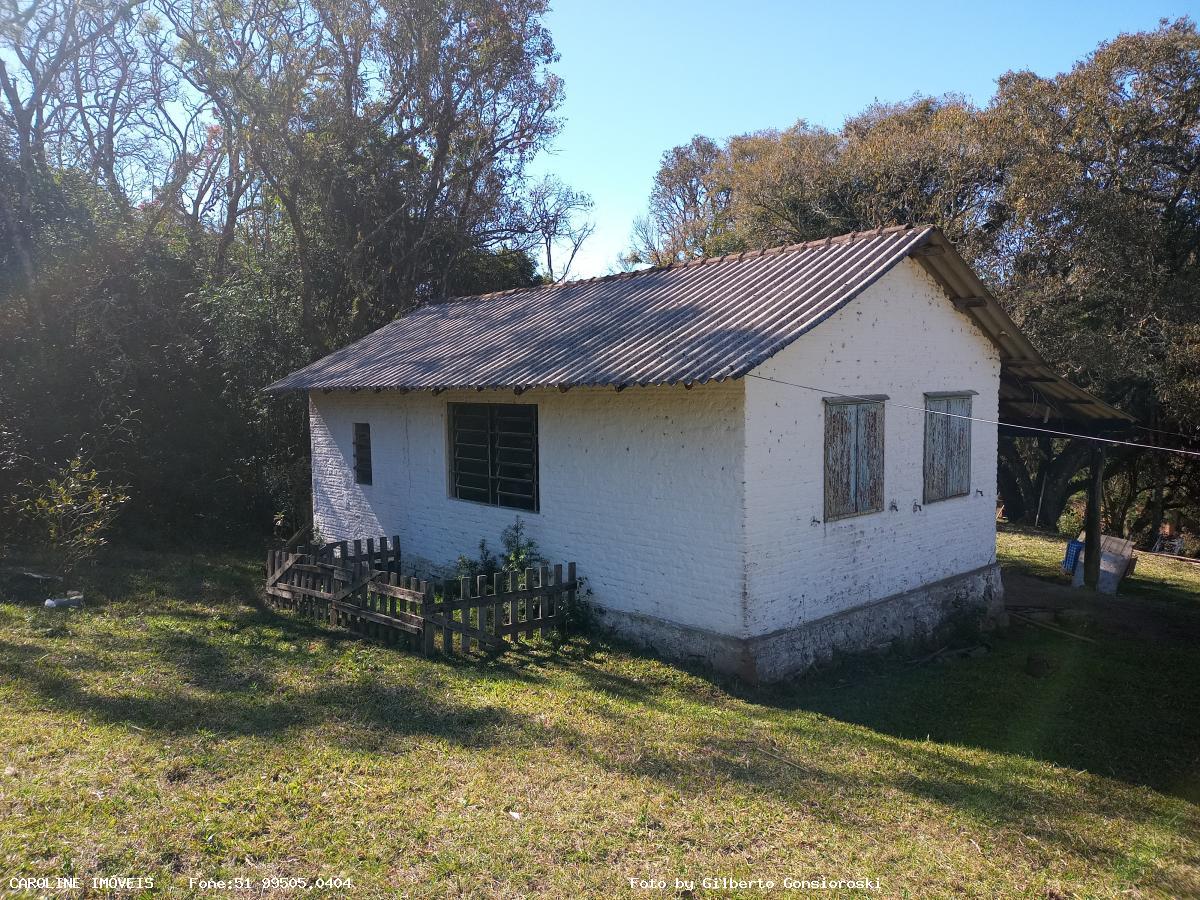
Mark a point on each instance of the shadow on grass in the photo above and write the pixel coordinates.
(851, 766)
(195, 662)
(1122, 708)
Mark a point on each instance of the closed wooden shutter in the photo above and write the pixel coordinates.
(853, 458)
(494, 454)
(362, 453)
(947, 447)
(870, 458)
(840, 471)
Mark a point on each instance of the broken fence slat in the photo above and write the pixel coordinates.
(359, 588)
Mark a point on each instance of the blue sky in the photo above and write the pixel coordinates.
(643, 77)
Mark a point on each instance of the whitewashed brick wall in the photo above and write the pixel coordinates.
(698, 506)
(902, 337)
(641, 488)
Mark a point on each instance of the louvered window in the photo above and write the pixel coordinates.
(853, 456)
(494, 454)
(947, 446)
(362, 452)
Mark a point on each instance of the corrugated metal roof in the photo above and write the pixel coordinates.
(1031, 392)
(704, 320)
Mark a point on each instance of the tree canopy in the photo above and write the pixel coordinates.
(198, 196)
(1076, 197)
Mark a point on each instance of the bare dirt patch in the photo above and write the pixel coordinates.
(1081, 610)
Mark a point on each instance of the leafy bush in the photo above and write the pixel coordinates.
(520, 553)
(1191, 544)
(484, 564)
(579, 616)
(70, 514)
(1070, 523)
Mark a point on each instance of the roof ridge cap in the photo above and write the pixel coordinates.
(736, 256)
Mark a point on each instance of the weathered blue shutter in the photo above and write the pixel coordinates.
(853, 458)
(869, 452)
(840, 437)
(935, 450)
(958, 447)
(947, 447)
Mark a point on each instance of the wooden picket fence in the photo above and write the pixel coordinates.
(357, 585)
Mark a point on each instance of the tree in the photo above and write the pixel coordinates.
(197, 196)
(1075, 197)
(392, 135)
(1099, 262)
(688, 207)
(554, 217)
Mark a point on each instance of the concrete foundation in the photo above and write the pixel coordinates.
(974, 598)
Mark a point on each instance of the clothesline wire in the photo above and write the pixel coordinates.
(921, 409)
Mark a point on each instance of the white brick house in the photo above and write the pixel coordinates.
(737, 452)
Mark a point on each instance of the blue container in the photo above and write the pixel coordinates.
(1071, 560)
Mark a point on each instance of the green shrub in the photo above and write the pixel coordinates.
(520, 553)
(70, 514)
(484, 564)
(1191, 544)
(1070, 523)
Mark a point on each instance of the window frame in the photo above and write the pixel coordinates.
(927, 496)
(494, 463)
(358, 430)
(855, 464)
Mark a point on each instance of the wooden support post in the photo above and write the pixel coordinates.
(499, 580)
(554, 601)
(427, 638)
(1091, 543)
(569, 601)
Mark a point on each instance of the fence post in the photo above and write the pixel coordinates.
(481, 589)
(554, 600)
(427, 640)
(568, 600)
(544, 597)
(530, 585)
(497, 605)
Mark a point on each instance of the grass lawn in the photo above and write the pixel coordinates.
(177, 729)
(1155, 577)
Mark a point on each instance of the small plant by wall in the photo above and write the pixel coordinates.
(520, 552)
